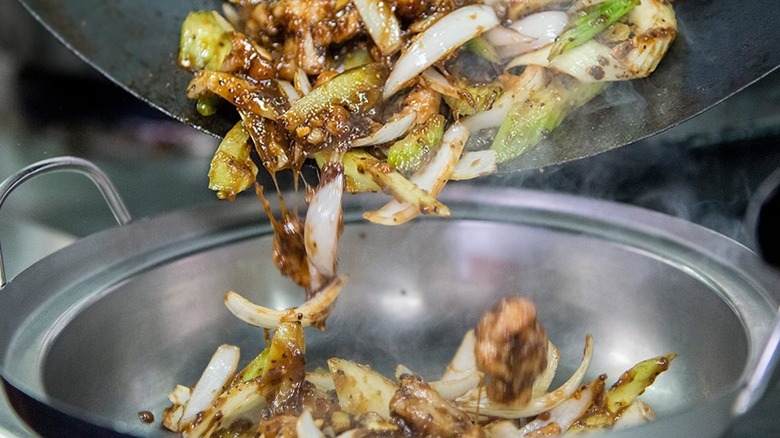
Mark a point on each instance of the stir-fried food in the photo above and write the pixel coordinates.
(274, 395)
(400, 96)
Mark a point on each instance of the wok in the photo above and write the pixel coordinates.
(104, 328)
(723, 46)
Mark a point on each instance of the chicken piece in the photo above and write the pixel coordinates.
(280, 426)
(511, 349)
(423, 101)
(303, 29)
(246, 58)
(421, 411)
(413, 10)
(320, 404)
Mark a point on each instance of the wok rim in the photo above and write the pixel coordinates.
(597, 218)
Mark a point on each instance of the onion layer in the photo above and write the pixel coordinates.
(322, 227)
(310, 313)
(529, 33)
(221, 368)
(566, 413)
(442, 38)
(388, 132)
(478, 403)
(432, 177)
(381, 24)
(474, 164)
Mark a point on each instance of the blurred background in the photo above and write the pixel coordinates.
(707, 170)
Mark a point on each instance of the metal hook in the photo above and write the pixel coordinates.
(71, 164)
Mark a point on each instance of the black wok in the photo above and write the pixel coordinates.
(723, 46)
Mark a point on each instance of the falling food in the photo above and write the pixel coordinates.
(400, 97)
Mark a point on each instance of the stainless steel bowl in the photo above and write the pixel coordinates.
(104, 328)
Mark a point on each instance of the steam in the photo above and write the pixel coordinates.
(710, 186)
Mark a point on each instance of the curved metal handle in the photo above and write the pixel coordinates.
(761, 375)
(71, 164)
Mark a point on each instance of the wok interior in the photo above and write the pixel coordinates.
(413, 292)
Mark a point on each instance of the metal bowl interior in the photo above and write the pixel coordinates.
(105, 328)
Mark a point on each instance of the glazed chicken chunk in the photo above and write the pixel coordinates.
(421, 411)
(511, 349)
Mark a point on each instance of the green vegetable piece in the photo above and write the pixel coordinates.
(480, 46)
(532, 120)
(232, 169)
(286, 349)
(397, 185)
(356, 179)
(409, 153)
(591, 21)
(356, 58)
(207, 105)
(630, 385)
(255, 368)
(633, 382)
(205, 41)
(357, 89)
(473, 98)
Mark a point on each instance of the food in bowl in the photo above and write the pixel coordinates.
(496, 385)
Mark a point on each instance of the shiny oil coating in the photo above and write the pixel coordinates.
(105, 328)
(723, 46)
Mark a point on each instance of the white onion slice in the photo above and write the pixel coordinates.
(450, 32)
(477, 401)
(531, 79)
(321, 379)
(310, 313)
(461, 374)
(323, 224)
(474, 164)
(546, 25)
(638, 412)
(289, 90)
(493, 117)
(566, 413)
(503, 36)
(220, 370)
(453, 388)
(464, 361)
(388, 132)
(534, 31)
(172, 416)
(301, 81)
(654, 27)
(501, 429)
(242, 399)
(438, 83)
(305, 426)
(577, 62)
(381, 24)
(431, 177)
(542, 383)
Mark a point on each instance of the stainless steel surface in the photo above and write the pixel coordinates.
(724, 46)
(69, 164)
(104, 328)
